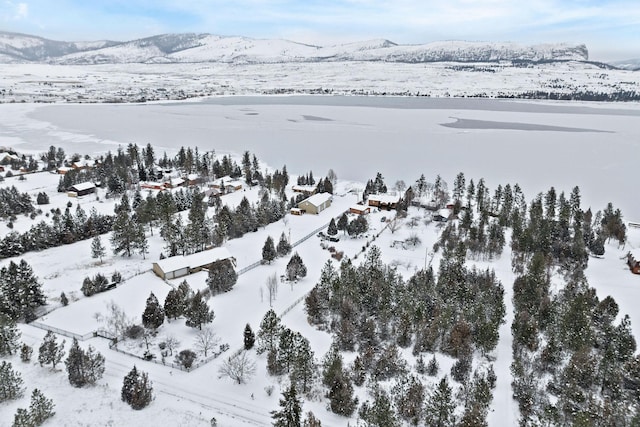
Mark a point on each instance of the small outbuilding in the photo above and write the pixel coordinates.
(82, 189)
(316, 203)
(633, 261)
(360, 209)
(181, 265)
(307, 190)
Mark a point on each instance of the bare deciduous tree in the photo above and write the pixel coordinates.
(206, 340)
(172, 344)
(116, 321)
(272, 288)
(238, 367)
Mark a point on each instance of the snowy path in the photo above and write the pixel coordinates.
(504, 409)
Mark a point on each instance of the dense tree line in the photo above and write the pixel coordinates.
(65, 228)
(574, 355)
(13, 203)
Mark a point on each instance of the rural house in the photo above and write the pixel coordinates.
(181, 265)
(316, 203)
(82, 189)
(384, 201)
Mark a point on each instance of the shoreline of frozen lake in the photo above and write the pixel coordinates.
(360, 136)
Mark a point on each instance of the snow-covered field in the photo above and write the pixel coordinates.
(147, 82)
(356, 142)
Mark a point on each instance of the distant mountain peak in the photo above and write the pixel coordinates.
(203, 47)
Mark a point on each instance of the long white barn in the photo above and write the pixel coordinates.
(180, 265)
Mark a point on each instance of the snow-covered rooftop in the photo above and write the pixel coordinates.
(198, 259)
(318, 199)
(385, 198)
(83, 186)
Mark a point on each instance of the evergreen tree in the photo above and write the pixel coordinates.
(296, 268)
(25, 353)
(50, 351)
(41, 408)
(222, 276)
(10, 382)
(440, 406)
(197, 231)
(122, 239)
(343, 223)
(284, 247)
(22, 418)
(249, 337)
(9, 336)
(269, 332)
(333, 228)
(290, 413)
(381, 413)
(153, 316)
(137, 389)
(198, 312)
(269, 251)
(20, 291)
(63, 299)
(174, 305)
(97, 249)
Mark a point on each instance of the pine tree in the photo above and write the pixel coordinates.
(198, 312)
(137, 389)
(440, 406)
(10, 382)
(153, 316)
(269, 332)
(50, 351)
(20, 291)
(64, 300)
(97, 249)
(41, 408)
(249, 337)
(381, 412)
(9, 336)
(290, 414)
(174, 304)
(296, 268)
(269, 251)
(343, 223)
(222, 276)
(122, 239)
(25, 353)
(22, 418)
(284, 247)
(84, 367)
(333, 228)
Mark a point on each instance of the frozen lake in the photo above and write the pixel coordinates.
(536, 144)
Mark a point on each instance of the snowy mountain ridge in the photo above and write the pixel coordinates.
(201, 48)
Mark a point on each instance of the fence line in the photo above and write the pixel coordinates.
(62, 332)
(113, 345)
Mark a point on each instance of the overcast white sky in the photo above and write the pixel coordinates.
(609, 28)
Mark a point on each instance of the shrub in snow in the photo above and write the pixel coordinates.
(186, 358)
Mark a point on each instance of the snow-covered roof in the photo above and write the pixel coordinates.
(635, 253)
(198, 259)
(385, 198)
(193, 176)
(360, 207)
(83, 186)
(318, 199)
(444, 212)
(304, 188)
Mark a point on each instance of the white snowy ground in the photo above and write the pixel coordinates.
(359, 141)
(134, 82)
